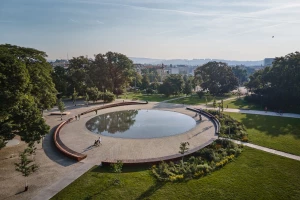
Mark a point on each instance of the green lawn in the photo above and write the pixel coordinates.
(278, 133)
(144, 97)
(241, 104)
(195, 100)
(253, 175)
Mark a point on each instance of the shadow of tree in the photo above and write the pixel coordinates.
(53, 153)
(272, 125)
(242, 104)
(151, 190)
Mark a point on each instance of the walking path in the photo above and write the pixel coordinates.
(280, 153)
(78, 138)
(255, 112)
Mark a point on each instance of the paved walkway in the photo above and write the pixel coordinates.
(76, 136)
(255, 112)
(280, 153)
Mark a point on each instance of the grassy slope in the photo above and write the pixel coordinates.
(254, 175)
(241, 104)
(195, 100)
(278, 133)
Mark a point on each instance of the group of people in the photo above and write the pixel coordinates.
(77, 117)
(97, 142)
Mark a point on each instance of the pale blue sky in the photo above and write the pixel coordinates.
(225, 29)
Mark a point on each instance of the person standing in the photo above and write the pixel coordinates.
(99, 141)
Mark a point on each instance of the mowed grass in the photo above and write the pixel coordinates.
(145, 97)
(280, 133)
(195, 100)
(253, 175)
(240, 103)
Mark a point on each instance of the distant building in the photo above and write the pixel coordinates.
(268, 61)
(61, 63)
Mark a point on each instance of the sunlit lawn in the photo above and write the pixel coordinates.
(195, 100)
(145, 97)
(240, 103)
(253, 175)
(278, 133)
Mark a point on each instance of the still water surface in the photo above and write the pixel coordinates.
(141, 124)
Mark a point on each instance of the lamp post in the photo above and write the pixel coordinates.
(103, 93)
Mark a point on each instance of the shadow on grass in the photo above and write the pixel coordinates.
(151, 190)
(242, 104)
(272, 125)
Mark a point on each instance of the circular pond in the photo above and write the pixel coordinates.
(141, 124)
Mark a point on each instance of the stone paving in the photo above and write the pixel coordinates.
(76, 136)
(56, 171)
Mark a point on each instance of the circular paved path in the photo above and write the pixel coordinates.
(76, 136)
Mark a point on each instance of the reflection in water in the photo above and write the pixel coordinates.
(112, 122)
(141, 124)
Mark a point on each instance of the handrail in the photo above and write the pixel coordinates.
(212, 117)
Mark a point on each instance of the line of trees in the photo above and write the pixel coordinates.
(107, 72)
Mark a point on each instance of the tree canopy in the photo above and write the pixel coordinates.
(278, 86)
(172, 85)
(217, 77)
(26, 89)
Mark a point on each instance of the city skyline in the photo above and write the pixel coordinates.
(166, 29)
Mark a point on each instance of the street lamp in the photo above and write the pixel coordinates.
(103, 93)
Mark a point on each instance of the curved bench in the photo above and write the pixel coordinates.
(114, 105)
(62, 147)
(71, 153)
(210, 116)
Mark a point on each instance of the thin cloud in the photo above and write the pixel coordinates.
(99, 22)
(256, 29)
(74, 21)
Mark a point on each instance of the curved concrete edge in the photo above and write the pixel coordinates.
(165, 158)
(71, 153)
(62, 147)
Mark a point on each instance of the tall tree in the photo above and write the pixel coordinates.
(39, 70)
(278, 86)
(77, 74)
(59, 77)
(145, 82)
(61, 107)
(116, 70)
(21, 93)
(188, 86)
(172, 85)
(26, 165)
(240, 73)
(217, 77)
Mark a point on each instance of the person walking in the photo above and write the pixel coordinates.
(99, 141)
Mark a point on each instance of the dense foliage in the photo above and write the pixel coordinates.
(230, 128)
(172, 85)
(107, 72)
(203, 162)
(278, 86)
(217, 77)
(26, 89)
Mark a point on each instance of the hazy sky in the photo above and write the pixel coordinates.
(225, 29)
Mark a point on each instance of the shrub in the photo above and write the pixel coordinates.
(108, 97)
(200, 94)
(117, 167)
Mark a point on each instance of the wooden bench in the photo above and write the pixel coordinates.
(71, 153)
(62, 147)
